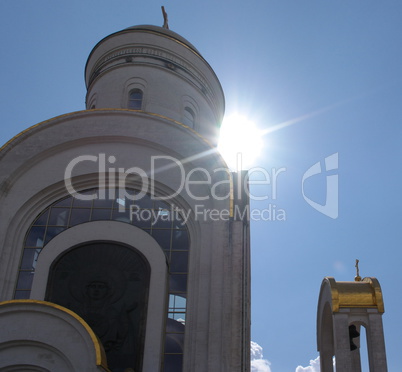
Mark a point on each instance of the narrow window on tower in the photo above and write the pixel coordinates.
(135, 99)
(189, 117)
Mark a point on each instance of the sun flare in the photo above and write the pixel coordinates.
(240, 142)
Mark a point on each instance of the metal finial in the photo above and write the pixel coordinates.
(357, 277)
(165, 18)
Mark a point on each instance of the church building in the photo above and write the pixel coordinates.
(124, 237)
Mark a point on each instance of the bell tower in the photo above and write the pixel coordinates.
(343, 309)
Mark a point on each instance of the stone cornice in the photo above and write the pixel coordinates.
(129, 52)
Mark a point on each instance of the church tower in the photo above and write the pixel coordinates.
(343, 309)
(124, 237)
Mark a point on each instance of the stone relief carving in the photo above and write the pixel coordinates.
(107, 285)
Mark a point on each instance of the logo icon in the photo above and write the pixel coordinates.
(330, 208)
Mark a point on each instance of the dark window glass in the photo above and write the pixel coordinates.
(178, 222)
(122, 216)
(178, 262)
(135, 99)
(79, 216)
(144, 201)
(25, 280)
(105, 203)
(162, 218)
(29, 258)
(82, 203)
(100, 214)
(42, 219)
(173, 344)
(59, 216)
(52, 231)
(189, 117)
(163, 238)
(35, 236)
(138, 219)
(178, 283)
(22, 295)
(173, 362)
(161, 204)
(124, 203)
(180, 240)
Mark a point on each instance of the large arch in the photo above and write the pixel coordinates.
(133, 238)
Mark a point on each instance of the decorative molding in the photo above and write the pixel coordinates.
(148, 52)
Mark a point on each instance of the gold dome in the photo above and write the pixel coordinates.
(358, 294)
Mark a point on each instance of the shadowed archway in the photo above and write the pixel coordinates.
(107, 284)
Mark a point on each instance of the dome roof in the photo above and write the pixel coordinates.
(358, 294)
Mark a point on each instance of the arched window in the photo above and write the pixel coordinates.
(189, 117)
(135, 99)
(157, 218)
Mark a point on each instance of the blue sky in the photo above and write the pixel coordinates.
(334, 65)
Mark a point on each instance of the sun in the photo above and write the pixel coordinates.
(240, 142)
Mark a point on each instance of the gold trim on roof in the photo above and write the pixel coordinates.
(362, 294)
(99, 350)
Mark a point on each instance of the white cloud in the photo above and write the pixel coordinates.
(255, 351)
(258, 363)
(313, 367)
